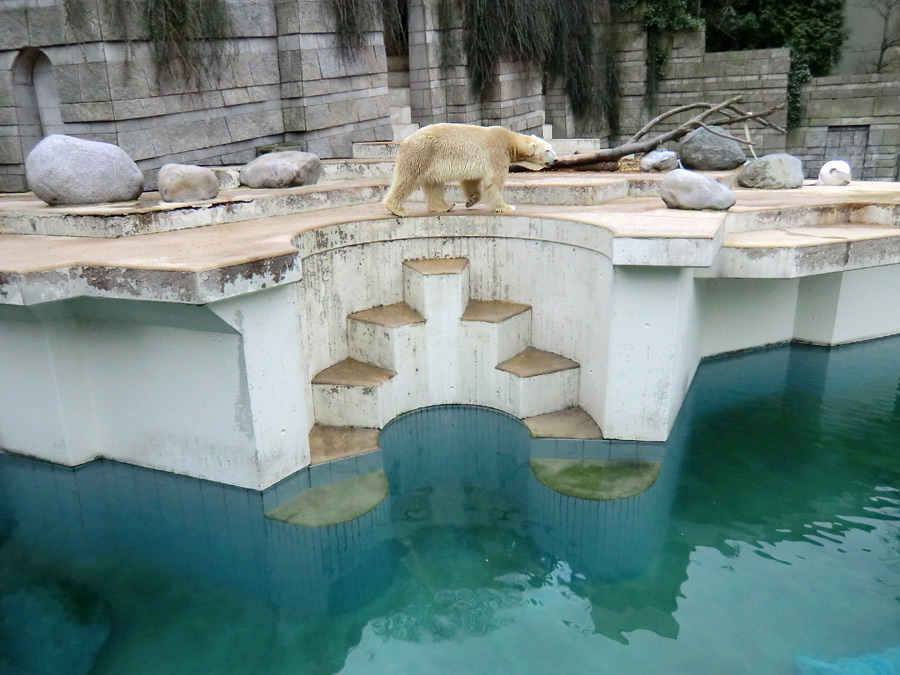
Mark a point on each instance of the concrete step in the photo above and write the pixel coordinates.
(571, 146)
(354, 394)
(540, 382)
(437, 287)
(491, 331)
(568, 423)
(328, 443)
(375, 150)
(344, 169)
(392, 337)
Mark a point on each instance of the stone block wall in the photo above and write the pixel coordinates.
(692, 75)
(284, 81)
(440, 92)
(514, 100)
(850, 117)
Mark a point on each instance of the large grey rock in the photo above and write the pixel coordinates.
(659, 160)
(772, 172)
(281, 169)
(186, 183)
(63, 170)
(683, 189)
(703, 151)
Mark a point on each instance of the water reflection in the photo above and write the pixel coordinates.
(789, 445)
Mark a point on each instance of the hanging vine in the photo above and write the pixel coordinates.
(530, 32)
(189, 38)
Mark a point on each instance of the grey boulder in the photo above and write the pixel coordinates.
(683, 189)
(772, 172)
(704, 151)
(64, 170)
(281, 169)
(186, 183)
(659, 160)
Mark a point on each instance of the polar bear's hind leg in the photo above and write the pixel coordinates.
(472, 190)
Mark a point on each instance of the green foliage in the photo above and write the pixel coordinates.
(557, 39)
(189, 37)
(812, 29)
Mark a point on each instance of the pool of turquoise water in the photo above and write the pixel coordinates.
(772, 534)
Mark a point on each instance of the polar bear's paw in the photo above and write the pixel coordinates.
(398, 211)
(472, 201)
(504, 208)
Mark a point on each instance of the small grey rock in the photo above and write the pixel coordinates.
(281, 169)
(659, 160)
(186, 183)
(703, 151)
(683, 189)
(64, 170)
(834, 172)
(772, 172)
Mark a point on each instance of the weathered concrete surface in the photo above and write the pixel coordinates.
(259, 307)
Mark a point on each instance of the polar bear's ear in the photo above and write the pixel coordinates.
(532, 147)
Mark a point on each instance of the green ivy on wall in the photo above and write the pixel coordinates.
(660, 17)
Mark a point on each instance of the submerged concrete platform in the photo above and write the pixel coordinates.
(216, 348)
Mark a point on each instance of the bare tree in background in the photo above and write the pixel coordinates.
(889, 12)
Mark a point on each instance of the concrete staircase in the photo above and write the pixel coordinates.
(437, 347)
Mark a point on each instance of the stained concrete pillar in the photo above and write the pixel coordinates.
(653, 351)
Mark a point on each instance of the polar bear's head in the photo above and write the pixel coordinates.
(538, 154)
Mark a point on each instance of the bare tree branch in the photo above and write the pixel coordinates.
(636, 145)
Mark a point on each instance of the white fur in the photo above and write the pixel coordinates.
(477, 157)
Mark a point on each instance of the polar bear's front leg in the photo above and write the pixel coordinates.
(434, 195)
(493, 192)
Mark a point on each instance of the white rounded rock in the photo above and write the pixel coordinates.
(186, 183)
(835, 172)
(64, 170)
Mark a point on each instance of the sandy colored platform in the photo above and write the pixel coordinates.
(533, 362)
(569, 423)
(389, 316)
(327, 444)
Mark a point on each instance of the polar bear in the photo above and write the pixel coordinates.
(477, 157)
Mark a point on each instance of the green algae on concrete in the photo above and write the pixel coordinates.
(334, 503)
(597, 479)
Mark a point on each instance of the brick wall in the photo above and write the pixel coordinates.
(850, 117)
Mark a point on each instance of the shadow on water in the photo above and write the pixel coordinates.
(785, 445)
